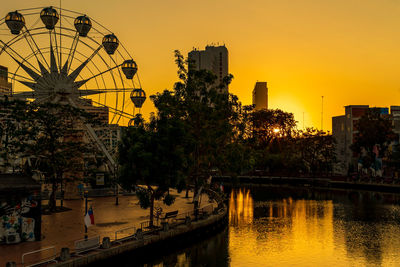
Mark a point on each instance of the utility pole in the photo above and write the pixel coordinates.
(322, 113)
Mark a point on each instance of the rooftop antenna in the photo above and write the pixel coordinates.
(303, 120)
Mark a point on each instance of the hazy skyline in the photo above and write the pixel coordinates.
(347, 51)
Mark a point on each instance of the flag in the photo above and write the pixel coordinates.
(89, 218)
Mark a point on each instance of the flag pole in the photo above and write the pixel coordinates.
(86, 200)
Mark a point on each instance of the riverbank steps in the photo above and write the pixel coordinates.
(189, 229)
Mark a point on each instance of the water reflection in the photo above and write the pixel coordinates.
(347, 229)
(241, 207)
(287, 226)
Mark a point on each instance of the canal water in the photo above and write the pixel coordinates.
(292, 226)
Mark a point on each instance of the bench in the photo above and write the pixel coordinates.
(169, 215)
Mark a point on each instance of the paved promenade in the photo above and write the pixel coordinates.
(62, 229)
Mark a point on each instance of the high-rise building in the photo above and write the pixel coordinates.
(5, 86)
(260, 96)
(214, 59)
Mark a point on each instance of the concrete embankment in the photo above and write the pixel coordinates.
(162, 237)
(325, 182)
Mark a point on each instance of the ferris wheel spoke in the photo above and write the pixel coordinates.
(114, 110)
(53, 62)
(20, 76)
(78, 70)
(31, 85)
(89, 92)
(80, 83)
(29, 94)
(28, 70)
(28, 33)
(112, 90)
(71, 54)
(14, 54)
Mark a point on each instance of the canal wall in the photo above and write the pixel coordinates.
(325, 182)
(145, 242)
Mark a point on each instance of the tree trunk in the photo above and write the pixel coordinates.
(52, 199)
(196, 201)
(195, 189)
(151, 209)
(187, 192)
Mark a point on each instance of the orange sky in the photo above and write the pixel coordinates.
(346, 50)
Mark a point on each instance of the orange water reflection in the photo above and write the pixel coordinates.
(241, 207)
(289, 232)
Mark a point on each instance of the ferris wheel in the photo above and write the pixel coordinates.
(63, 56)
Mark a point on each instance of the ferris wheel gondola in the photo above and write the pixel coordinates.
(15, 22)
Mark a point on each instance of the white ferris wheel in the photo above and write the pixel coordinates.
(63, 56)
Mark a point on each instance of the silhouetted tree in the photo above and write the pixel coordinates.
(374, 130)
(206, 113)
(151, 159)
(317, 150)
(269, 124)
(12, 117)
(52, 137)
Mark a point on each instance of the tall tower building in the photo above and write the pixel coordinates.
(214, 59)
(260, 95)
(5, 86)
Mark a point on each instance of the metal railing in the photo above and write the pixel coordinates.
(145, 226)
(84, 245)
(129, 234)
(183, 215)
(50, 258)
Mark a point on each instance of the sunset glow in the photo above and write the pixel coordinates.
(347, 51)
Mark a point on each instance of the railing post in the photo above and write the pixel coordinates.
(139, 234)
(188, 220)
(106, 243)
(165, 226)
(65, 255)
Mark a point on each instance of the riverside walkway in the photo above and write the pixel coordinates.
(64, 228)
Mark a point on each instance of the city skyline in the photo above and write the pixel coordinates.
(345, 51)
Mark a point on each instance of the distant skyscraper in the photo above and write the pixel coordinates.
(260, 95)
(5, 86)
(214, 59)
